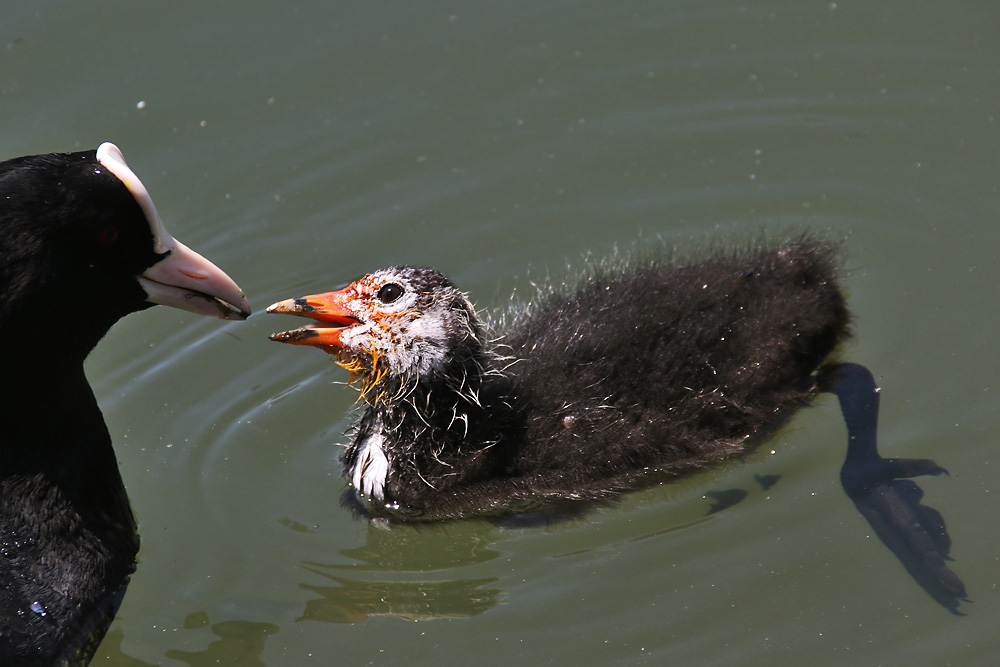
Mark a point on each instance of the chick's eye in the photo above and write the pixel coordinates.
(108, 235)
(389, 293)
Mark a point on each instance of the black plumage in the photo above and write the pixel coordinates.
(650, 365)
(645, 367)
(81, 246)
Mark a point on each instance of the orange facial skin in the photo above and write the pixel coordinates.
(353, 307)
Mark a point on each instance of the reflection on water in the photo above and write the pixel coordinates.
(239, 643)
(409, 548)
(111, 650)
(355, 600)
(390, 557)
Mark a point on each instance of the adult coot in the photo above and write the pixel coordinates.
(644, 367)
(81, 245)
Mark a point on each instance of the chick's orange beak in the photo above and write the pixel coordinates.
(328, 309)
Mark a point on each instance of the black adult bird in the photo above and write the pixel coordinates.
(646, 367)
(81, 245)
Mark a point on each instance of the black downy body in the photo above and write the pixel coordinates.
(645, 368)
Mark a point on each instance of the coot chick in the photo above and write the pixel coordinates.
(643, 369)
(81, 245)
(645, 366)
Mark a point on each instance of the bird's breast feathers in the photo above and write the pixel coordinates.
(371, 467)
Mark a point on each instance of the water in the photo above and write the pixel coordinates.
(300, 145)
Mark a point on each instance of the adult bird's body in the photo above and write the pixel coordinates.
(81, 245)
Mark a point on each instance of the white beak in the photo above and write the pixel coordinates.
(183, 279)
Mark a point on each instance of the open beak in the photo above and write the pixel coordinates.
(328, 309)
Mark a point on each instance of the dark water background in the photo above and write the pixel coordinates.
(301, 144)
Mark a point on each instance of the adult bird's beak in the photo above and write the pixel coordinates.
(183, 278)
(186, 280)
(328, 308)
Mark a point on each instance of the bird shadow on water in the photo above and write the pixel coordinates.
(885, 496)
(881, 489)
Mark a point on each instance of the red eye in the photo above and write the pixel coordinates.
(108, 236)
